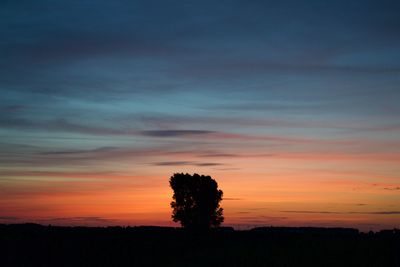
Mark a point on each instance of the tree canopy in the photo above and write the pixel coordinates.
(196, 201)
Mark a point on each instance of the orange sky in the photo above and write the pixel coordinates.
(284, 190)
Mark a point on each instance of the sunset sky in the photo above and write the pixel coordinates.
(292, 106)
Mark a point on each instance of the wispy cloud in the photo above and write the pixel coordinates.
(74, 221)
(339, 212)
(392, 188)
(63, 174)
(183, 163)
(310, 211)
(13, 108)
(174, 133)
(8, 218)
(172, 163)
(379, 212)
(86, 219)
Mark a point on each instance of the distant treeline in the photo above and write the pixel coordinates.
(36, 245)
(264, 229)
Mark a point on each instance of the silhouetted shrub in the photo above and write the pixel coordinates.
(196, 201)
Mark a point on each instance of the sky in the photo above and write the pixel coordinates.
(292, 106)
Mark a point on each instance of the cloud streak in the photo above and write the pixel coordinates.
(392, 188)
(175, 133)
(339, 212)
(63, 125)
(185, 163)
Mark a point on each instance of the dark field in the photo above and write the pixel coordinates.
(35, 245)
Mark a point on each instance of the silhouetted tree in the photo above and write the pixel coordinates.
(196, 201)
